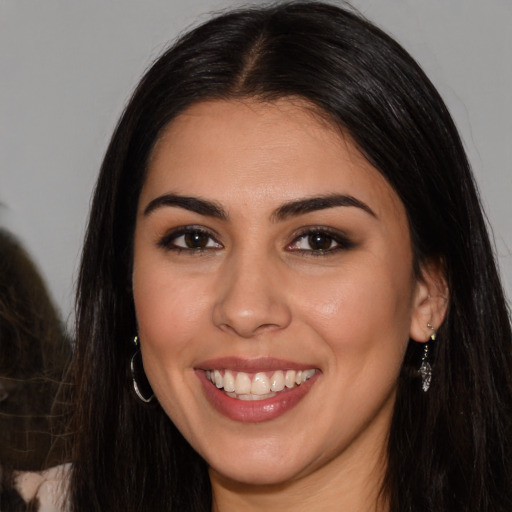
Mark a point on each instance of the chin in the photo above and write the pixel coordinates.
(262, 464)
(264, 475)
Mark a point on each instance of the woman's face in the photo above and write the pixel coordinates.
(269, 252)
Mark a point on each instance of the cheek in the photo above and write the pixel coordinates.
(168, 312)
(361, 308)
(170, 315)
(169, 308)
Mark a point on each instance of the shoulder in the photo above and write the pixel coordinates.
(46, 488)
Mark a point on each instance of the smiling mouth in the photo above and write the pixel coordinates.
(257, 386)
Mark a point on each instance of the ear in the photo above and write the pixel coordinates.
(430, 301)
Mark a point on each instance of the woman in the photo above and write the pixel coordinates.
(34, 350)
(286, 239)
(33, 355)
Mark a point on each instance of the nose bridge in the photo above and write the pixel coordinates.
(250, 299)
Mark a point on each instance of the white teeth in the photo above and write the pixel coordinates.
(242, 384)
(307, 374)
(257, 386)
(229, 382)
(290, 379)
(260, 384)
(252, 397)
(277, 381)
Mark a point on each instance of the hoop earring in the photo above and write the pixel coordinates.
(425, 369)
(141, 385)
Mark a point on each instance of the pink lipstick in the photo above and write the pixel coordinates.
(255, 390)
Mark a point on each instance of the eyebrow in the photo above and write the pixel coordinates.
(285, 211)
(193, 204)
(311, 204)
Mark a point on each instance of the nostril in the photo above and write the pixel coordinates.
(247, 330)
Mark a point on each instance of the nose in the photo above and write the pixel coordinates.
(251, 298)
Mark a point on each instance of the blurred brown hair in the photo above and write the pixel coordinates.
(34, 349)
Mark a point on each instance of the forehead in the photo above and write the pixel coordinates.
(275, 151)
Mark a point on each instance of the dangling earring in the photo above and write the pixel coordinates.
(141, 384)
(425, 370)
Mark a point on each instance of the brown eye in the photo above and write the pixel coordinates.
(196, 240)
(320, 242)
(190, 239)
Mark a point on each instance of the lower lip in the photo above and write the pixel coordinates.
(254, 411)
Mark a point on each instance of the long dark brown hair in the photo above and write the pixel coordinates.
(449, 449)
(34, 351)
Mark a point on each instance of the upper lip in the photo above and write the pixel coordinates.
(262, 364)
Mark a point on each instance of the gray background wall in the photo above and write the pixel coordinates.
(68, 66)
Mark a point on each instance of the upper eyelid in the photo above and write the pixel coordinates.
(176, 232)
(306, 230)
(340, 237)
(190, 228)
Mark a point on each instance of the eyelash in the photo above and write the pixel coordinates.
(332, 235)
(168, 241)
(341, 241)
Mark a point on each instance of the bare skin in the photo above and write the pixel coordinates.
(237, 259)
